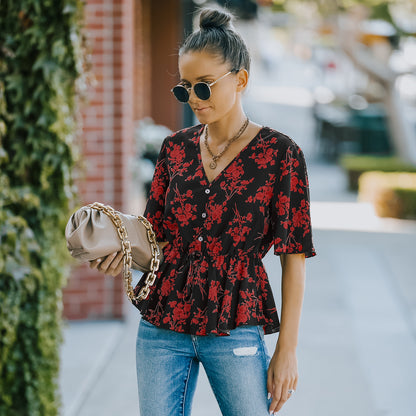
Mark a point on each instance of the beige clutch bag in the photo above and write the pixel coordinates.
(97, 230)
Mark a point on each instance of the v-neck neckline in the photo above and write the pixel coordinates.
(232, 160)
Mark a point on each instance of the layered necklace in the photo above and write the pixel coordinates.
(213, 163)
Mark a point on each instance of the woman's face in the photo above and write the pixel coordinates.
(225, 94)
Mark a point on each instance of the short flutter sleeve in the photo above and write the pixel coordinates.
(290, 209)
(155, 205)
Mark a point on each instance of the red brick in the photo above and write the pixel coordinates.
(125, 53)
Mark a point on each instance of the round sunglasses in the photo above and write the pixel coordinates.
(202, 90)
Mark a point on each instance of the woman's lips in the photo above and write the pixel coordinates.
(201, 109)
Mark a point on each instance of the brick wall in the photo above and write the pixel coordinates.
(107, 145)
(134, 46)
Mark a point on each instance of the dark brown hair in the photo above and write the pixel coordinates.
(217, 35)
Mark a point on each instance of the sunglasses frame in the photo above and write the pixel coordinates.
(209, 85)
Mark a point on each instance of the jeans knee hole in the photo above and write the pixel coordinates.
(245, 351)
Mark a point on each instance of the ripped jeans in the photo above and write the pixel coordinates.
(168, 364)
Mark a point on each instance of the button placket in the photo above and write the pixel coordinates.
(204, 214)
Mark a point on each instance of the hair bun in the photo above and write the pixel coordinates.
(215, 19)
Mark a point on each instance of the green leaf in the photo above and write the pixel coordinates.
(41, 62)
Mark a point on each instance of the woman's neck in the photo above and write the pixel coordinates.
(223, 130)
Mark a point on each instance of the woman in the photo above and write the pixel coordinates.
(223, 192)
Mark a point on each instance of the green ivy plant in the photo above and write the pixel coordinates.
(43, 78)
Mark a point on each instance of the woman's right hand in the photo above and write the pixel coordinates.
(111, 264)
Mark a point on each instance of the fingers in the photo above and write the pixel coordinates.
(270, 382)
(95, 263)
(117, 265)
(282, 376)
(279, 392)
(111, 264)
(282, 396)
(103, 266)
(276, 398)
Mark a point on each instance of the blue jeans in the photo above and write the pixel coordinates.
(168, 364)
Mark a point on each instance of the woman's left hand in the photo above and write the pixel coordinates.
(111, 264)
(282, 376)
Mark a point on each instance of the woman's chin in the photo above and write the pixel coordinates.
(201, 118)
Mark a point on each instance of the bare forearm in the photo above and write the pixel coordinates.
(293, 287)
(282, 375)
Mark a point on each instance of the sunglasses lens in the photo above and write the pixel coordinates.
(202, 90)
(181, 93)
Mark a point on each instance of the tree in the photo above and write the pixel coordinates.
(402, 131)
(42, 76)
(345, 17)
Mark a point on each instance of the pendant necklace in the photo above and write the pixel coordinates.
(213, 163)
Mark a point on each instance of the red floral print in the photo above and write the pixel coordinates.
(212, 278)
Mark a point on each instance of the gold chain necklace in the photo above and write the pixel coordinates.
(213, 163)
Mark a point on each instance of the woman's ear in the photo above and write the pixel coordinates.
(242, 80)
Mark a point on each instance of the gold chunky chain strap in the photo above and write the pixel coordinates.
(126, 248)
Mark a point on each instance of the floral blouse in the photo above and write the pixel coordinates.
(212, 278)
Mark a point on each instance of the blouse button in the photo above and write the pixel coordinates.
(204, 214)
(207, 191)
(200, 238)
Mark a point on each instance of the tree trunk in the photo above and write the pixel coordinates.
(402, 132)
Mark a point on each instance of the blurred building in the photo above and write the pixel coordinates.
(134, 56)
